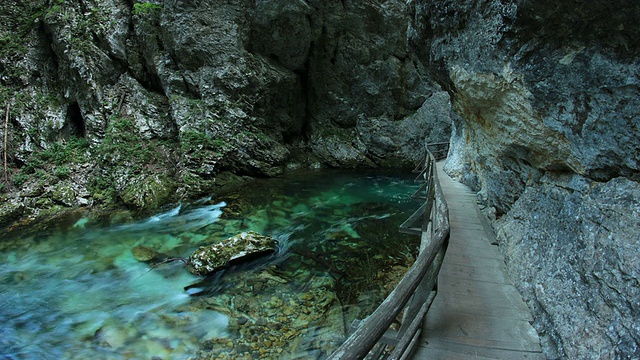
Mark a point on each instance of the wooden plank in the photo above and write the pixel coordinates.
(438, 349)
(470, 236)
(468, 258)
(467, 225)
(485, 298)
(408, 354)
(474, 273)
(477, 250)
(469, 252)
(455, 216)
(469, 306)
(478, 312)
(424, 293)
(484, 332)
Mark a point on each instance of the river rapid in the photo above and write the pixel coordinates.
(75, 291)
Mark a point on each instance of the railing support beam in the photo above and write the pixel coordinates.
(418, 284)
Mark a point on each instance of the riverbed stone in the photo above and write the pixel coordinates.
(146, 254)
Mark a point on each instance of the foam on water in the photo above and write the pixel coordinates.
(88, 295)
(80, 294)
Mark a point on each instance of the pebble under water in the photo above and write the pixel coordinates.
(76, 292)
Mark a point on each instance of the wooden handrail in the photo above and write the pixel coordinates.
(441, 149)
(422, 275)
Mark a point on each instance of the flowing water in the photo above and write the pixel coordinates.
(76, 291)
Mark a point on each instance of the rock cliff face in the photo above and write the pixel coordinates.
(547, 106)
(139, 103)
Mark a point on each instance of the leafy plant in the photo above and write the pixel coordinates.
(62, 172)
(143, 8)
(193, 140)
(60, 155)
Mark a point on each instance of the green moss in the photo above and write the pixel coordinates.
(14, 45)
(73, 151)
(192, 141)
(143, 8)
(62, 172)
(133, 170)
(56, 159)
(148, 191)
(123, 144)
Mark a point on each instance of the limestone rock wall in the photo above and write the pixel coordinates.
(547, 106)
(158, 100)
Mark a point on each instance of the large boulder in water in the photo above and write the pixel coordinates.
(244, 246)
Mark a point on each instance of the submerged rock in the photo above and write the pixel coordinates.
(146, 254)
(244, 246)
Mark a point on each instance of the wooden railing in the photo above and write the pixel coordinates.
(416, 291)
(439, 150)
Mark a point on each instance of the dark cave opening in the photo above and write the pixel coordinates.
(74, 123)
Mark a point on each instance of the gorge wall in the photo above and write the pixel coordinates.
(547, 103)
(143, 103)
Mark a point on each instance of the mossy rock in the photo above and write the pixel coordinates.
(64, 194)
(148, 191)
(10, 212)
(242, 247)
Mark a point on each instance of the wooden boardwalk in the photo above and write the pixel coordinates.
(478, 313)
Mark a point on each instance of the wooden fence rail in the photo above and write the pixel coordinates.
(417, 289)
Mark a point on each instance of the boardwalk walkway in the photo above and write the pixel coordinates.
(478, 313)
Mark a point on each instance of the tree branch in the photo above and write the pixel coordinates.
(4, 147)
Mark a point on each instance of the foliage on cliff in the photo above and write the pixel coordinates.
(170, 99)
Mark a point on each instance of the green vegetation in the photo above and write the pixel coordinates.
(124, 144)
(62, 172)
(21, 19)
(192, 141)
(143, 8)
(55, 161)
(72, 151)
(133, 170)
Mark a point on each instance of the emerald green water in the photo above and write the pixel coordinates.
(76, 291)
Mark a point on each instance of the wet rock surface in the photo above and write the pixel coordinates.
(582, 237)
(239, 248)
(141, 104)
(546, 106)
(246, 88)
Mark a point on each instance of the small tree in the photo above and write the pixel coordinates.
(4, 144)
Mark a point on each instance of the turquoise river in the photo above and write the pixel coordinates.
(75, 291)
